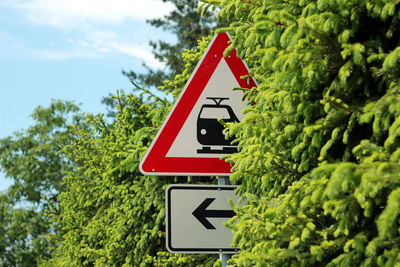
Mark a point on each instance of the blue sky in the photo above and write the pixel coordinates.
(71, 50)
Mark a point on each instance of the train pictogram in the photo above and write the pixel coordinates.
(210, 132)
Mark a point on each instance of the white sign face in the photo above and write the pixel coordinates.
(206, 111)
(195, 218)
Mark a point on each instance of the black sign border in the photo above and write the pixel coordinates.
(168, 226)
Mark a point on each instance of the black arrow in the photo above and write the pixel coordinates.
(201, 213)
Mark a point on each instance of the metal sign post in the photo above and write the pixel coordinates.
(224, 180)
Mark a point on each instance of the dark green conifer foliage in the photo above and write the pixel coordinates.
(187, 26)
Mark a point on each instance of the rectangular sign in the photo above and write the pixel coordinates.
(195, 218)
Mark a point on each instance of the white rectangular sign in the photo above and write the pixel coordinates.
(195, 218)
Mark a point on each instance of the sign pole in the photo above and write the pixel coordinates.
(224, 180)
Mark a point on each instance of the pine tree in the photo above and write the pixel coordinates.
(319, 148)
(187, 25)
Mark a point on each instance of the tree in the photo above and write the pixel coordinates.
(318, 156)
(319, 148)
(187, 25)
(23, 230)
(32, 157)
(32, 160)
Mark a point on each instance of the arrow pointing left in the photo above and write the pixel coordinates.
(201, 213)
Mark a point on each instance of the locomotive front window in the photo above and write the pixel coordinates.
(214, 113)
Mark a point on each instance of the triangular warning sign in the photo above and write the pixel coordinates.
(191, 140)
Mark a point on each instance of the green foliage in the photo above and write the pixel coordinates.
(319, 154)
(32, 160)
(23, 235)
(319, 147)
(31, 157)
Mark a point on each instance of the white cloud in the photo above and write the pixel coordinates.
(72, 13)
(61, 55)
(94, 45)
(139, 52)
(106, 43)
(86, 21)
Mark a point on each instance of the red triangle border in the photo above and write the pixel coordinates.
(155, 161)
